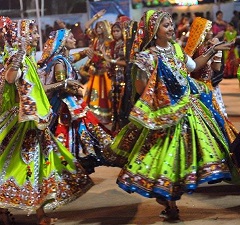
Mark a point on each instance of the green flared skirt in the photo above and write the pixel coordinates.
(35, 169)
(170, 161)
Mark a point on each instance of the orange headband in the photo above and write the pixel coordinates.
(198, 31)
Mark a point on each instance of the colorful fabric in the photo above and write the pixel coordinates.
(172, 143)
(198, 31)
(98, 90)
(230, 56)
(145, 34)
(73, 123)
(36, 169)
(117, 74)
(98, 95)
(216, 105)
(169, 155)
(54, 44)
(47, 166)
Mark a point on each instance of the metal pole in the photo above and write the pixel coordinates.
(42, 7)
(21, 8)
(39, 24)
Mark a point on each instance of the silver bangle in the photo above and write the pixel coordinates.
(114, 61)
(210, 52)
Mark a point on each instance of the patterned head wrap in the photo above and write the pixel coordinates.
(54, 44)
(122, 19)
(5, 22)
(147, 29)
(14, 30)
(198, 31)
(20, 28)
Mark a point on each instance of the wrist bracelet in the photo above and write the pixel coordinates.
(17, 64)
(114, 61)
(21, 52)
(210, 52)
(218, 54)
(15, 68)
(96, 16)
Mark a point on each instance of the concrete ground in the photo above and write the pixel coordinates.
(106, 204)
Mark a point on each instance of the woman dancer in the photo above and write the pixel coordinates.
(199, 41)
(5, 216)
(171, 144)
(98, 91)
(50, 176)
(117, 69)
(73, 123)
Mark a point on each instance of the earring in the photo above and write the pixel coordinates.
(155, 37)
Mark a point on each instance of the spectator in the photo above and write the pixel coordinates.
(219, 25)
(235, 20)
(230, 56)
(183, 30)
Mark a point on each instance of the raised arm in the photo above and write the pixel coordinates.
(202, 60)
(14, 67)
(94, 18)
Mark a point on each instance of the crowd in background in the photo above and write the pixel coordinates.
(225, 30)
(79, 34)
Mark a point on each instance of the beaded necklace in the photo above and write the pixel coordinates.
(161, 49)
(169, 57)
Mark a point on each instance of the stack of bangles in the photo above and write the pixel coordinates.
(210, 52)
(217, 58)
(17, 63)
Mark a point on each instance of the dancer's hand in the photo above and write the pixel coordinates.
(214, 41)
(73, 84)
(75, 91)
(223, 46)
(89, 52)
(74, 87)
(220, 34)
(100, 13)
